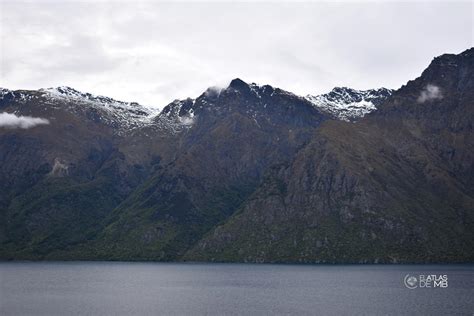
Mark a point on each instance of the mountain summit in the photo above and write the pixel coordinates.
(349, 104)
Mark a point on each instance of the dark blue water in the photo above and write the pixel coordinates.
(111, 288)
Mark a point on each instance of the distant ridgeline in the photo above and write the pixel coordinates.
(248, 173)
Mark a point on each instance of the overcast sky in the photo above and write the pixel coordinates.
(155, 52)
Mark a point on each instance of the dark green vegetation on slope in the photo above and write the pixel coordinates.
(259, 176)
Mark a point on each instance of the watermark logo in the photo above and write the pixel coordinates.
(410, 281)
(425, 281)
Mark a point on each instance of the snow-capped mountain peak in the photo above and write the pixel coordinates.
(178, 114)
(349, 104)
(65, 92)
(255, 100)
(123, 115)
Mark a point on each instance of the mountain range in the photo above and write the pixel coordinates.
(247, 173)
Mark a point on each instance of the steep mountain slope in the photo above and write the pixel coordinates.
(58, 181)
(395, 187)
(236, 134)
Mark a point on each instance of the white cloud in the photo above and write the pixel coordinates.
(430, 92)
(215, 91)
(9, 120)
(154, 52)
(187, 120)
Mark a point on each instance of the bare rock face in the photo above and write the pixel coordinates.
(59, 169)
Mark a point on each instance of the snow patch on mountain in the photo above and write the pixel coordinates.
(349, 104)
(3, 91)
(125, 116)
(67, 93)
(178, 114)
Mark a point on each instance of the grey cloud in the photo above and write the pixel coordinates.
(430, 92)
(9, 120)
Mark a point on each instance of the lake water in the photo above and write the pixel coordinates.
(123, 288)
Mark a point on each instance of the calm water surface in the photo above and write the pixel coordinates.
(111, 288)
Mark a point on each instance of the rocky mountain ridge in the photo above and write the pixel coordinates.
(341, 103)
(349, 104)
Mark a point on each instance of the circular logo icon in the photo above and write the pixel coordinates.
(410, 281)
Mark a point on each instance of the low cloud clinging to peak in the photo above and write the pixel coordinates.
(429, 93)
